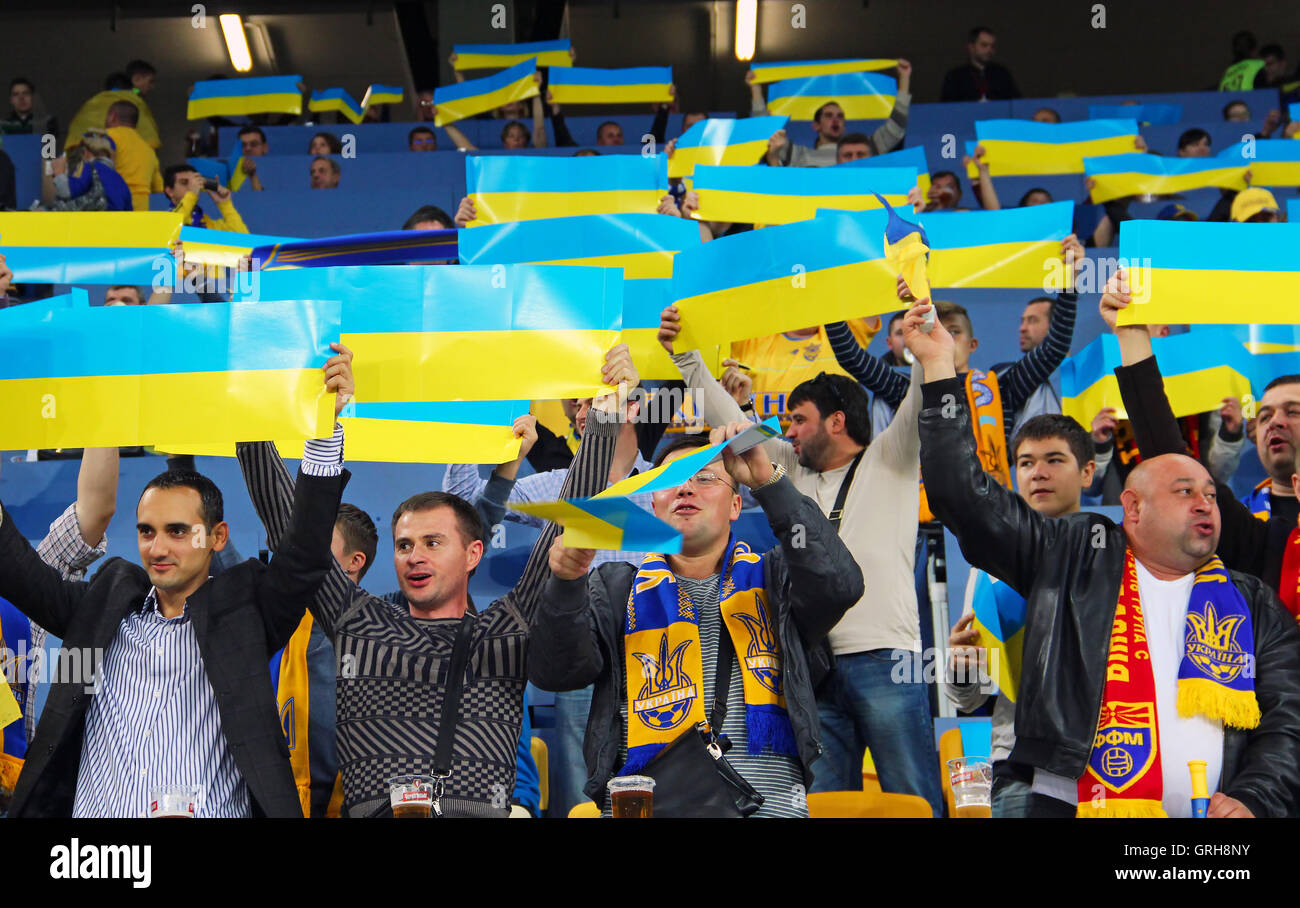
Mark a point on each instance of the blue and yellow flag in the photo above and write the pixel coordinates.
(391, 247)
(224, 247)
(240, 97)
(723, 141)
(643, 245)
(91, 247)
(782, 195)
(1029, 148)
(475, 96)
(1185, 272)
(433, 333)
(513, 188)
(1118, 175)
(1000, 622)
(782, 278)
(502, 56)
(802, 69)
(1271, 162)
(906, 250)
(634, 85)
(94, 377)
(1014, 247)
(338, 100)
(1200, 369)
(1145, 114)
(862, 96)
(377, 94)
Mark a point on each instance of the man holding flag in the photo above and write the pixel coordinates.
(1148, 652)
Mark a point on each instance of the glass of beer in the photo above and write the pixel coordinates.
(972, 787)
(169, 802)
(632, 796)
(411, 796)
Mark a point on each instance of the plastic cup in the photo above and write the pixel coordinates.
(632, 796)
(171, 802)
(972, 787)
(411, 797)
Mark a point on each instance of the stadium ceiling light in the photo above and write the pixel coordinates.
(236, 43)
(746, 28)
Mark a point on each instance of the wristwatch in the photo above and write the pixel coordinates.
(773, 479)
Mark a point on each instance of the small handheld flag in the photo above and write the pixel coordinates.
(907, 249)
(1200, 790)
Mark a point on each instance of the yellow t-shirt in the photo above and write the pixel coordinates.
(138, 165)
(781, 362)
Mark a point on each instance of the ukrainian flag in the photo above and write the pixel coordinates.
(469, 332)
(1000, 622)
(643, 245)
(802, 69)
(723, 141)
(635, 85)
(1293, 210)
(1275, 162)
(863, 96)
(391, 247)
(643, 302)
(1028, 148)
(338, 100)
(378, 94)
(1200, 368)
(1185, 272)
(517, 188)
(239, 97)
(1014, 247)
(502, 56)
(95, 377)
(782, 278)
(782, 195)
(475, 96)
(223, 247)
(91, 247)
(1120, 175)
(443, 432)
(1145, 114)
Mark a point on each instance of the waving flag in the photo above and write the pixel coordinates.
(1145, 114)
(225, 248)
(378, 94)
(635, 85)
(239, 97)
(93, 377)
(1210, 273)
(338, 100)
(643, 245)
(391, 247)
(781, 195)
(509, 188)
(800, 69)
(906, 250)
(723, 141)
(1025, 147)
(1000, 623)
(862, 96)
(475, 96)
(502, 56)
(1120, 175)
(782, 278)
(92, 247)
(472, 332)
(1271, 162)
(1200, 368)
(1014, 247)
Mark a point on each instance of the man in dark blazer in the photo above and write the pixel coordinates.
(183, 695)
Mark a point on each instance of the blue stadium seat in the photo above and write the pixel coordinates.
(25, 152)
(1197, 105)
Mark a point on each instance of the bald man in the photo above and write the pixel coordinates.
(1142, 653)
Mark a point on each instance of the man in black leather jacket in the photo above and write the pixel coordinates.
(1069, 569)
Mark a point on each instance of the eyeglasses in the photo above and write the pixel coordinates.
(708, 480)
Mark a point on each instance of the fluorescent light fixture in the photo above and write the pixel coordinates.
(746, 28)
(236, 44)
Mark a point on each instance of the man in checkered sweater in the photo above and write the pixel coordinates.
(393, 660)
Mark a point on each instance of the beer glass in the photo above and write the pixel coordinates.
(632, 796)
(411, 796)
(972, 787)
(169, 802)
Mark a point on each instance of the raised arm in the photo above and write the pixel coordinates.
(900, 444)
(35, 588)
(890, 134)
(870, 371)
(492, 495)
(96, 492)
(1035, 367)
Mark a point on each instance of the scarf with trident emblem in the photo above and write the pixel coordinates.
(664, 668)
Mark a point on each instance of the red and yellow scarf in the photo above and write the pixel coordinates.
(1123, 777)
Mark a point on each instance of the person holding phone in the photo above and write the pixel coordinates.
(182, 184)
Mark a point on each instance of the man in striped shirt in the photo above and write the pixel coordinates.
(183, 695)
(394, 659)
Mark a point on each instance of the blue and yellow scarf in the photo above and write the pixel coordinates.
(665, 670)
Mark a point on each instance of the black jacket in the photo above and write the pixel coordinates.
(241, 617)
(577, 634)
(964, 83)
(1069, 570)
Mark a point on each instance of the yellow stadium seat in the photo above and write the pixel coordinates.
(870, 779)
(586, 810)
(542, 759)
(825, 805)
(949, 749)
